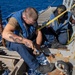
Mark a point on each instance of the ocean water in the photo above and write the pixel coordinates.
(8, 6)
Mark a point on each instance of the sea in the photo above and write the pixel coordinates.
(9, 6)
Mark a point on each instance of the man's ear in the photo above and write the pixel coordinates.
(24, 17)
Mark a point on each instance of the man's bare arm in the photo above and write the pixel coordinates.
(10, 36)
(15, 38)
(38, 38)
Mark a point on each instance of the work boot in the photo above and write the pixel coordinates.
(42, 59)
(46, 68)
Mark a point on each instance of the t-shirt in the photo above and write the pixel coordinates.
(12, 21)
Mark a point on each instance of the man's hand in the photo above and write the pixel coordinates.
(28, 43)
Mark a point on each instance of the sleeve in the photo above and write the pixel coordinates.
(12, 21)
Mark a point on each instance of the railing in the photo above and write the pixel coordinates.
(68, 3)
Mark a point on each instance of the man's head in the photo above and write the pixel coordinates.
(59, 10)
(30, 15)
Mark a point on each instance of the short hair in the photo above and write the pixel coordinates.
(61, 8)
(31, 12)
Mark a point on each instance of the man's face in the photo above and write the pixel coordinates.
(30, 21)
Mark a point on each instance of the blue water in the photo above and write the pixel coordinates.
(8, 6)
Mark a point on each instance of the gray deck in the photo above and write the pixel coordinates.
(44, 16)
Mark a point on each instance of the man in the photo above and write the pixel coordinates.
(60, 28)
(19, 33)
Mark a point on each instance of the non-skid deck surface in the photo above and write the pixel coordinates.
(44, 16)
